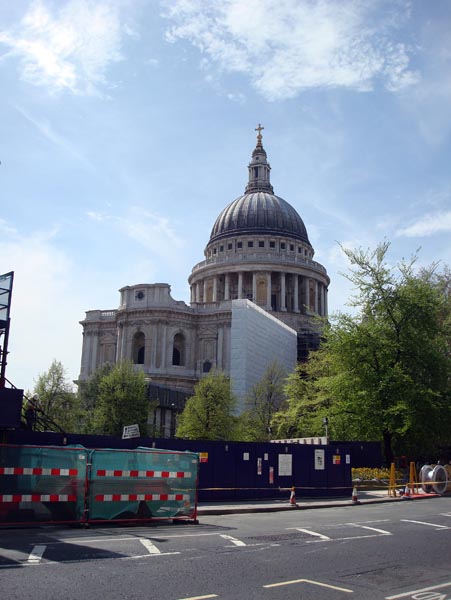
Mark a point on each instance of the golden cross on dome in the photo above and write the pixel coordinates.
(259, 129)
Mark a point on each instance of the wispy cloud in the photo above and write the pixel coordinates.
(287, 46)
(146, 229)
(48, 132)
(428, 225)
(69, 47)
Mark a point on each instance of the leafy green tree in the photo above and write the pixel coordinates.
(208, 414)
(122, 400)
(301, 414)
(265, 399)
(385, 373)
(88, 393)
(55, 396)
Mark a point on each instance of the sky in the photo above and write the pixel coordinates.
(127, 126)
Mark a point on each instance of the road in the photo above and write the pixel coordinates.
(384, 551)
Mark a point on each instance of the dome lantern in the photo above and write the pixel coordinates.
(259, 168)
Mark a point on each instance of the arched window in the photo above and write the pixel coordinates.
(178, 350)
(138, 348)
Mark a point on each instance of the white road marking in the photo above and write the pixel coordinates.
(314, 533)
(200, 597)
(376, 521)
(146, 555)
(381, 531)
(13, 555)
(378, 532)
(424, 523)
(149, 546)
(233, 540)
(419, 591)
(36, 555)
(294, 581)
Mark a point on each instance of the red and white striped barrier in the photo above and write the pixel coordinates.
(134, 497)
(16, 498)
(38, 471)
(161, 474)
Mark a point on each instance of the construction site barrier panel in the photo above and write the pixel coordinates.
(42, 484)
(142, 484)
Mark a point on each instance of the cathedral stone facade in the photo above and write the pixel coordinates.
(258, 269)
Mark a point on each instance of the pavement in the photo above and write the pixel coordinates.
(371, 496)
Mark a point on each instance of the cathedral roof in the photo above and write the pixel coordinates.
(259, 211)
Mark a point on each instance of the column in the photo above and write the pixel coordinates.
(198, 292)
(316, 290)
(220, 347)
(154, 334)
(164, 350)
(120, 332)
(240, 285)
(93, 351)
(148, 347)
(307, 293)
(283, 302)
(326, 307)
(215, 288)
(296, 293)
(227, 287)
(205, 291)
(268, 291)
(254, 287)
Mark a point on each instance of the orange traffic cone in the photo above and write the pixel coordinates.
(407, 495)
(354, 495)
(293, 497)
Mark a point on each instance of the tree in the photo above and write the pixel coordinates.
(122, 400)
(208, 414)
(56, 398)
(301, 414)
(88, 393)
(265, 399)
(385, 372)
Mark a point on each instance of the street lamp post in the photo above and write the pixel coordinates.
(326, 423)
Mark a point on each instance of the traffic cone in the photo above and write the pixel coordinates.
(293, 497)
(407, 495)
(354, 495)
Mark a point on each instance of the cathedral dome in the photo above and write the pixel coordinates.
(259, 211)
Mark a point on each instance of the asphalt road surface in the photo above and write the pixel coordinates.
(381, 551)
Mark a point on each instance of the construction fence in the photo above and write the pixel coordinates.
(239, 470)
(49, 484)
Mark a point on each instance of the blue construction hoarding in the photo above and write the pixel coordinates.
(238, 470)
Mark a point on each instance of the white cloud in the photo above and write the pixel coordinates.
(428, 225)
(7, 230)
(69, 48)
(48, 132)
(146, 229)
(286, 46)
(239, 97)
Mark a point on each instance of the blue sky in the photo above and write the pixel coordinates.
(127, 125)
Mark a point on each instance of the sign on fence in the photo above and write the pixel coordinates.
(130, 431)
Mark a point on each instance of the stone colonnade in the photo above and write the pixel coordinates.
(272, 290)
